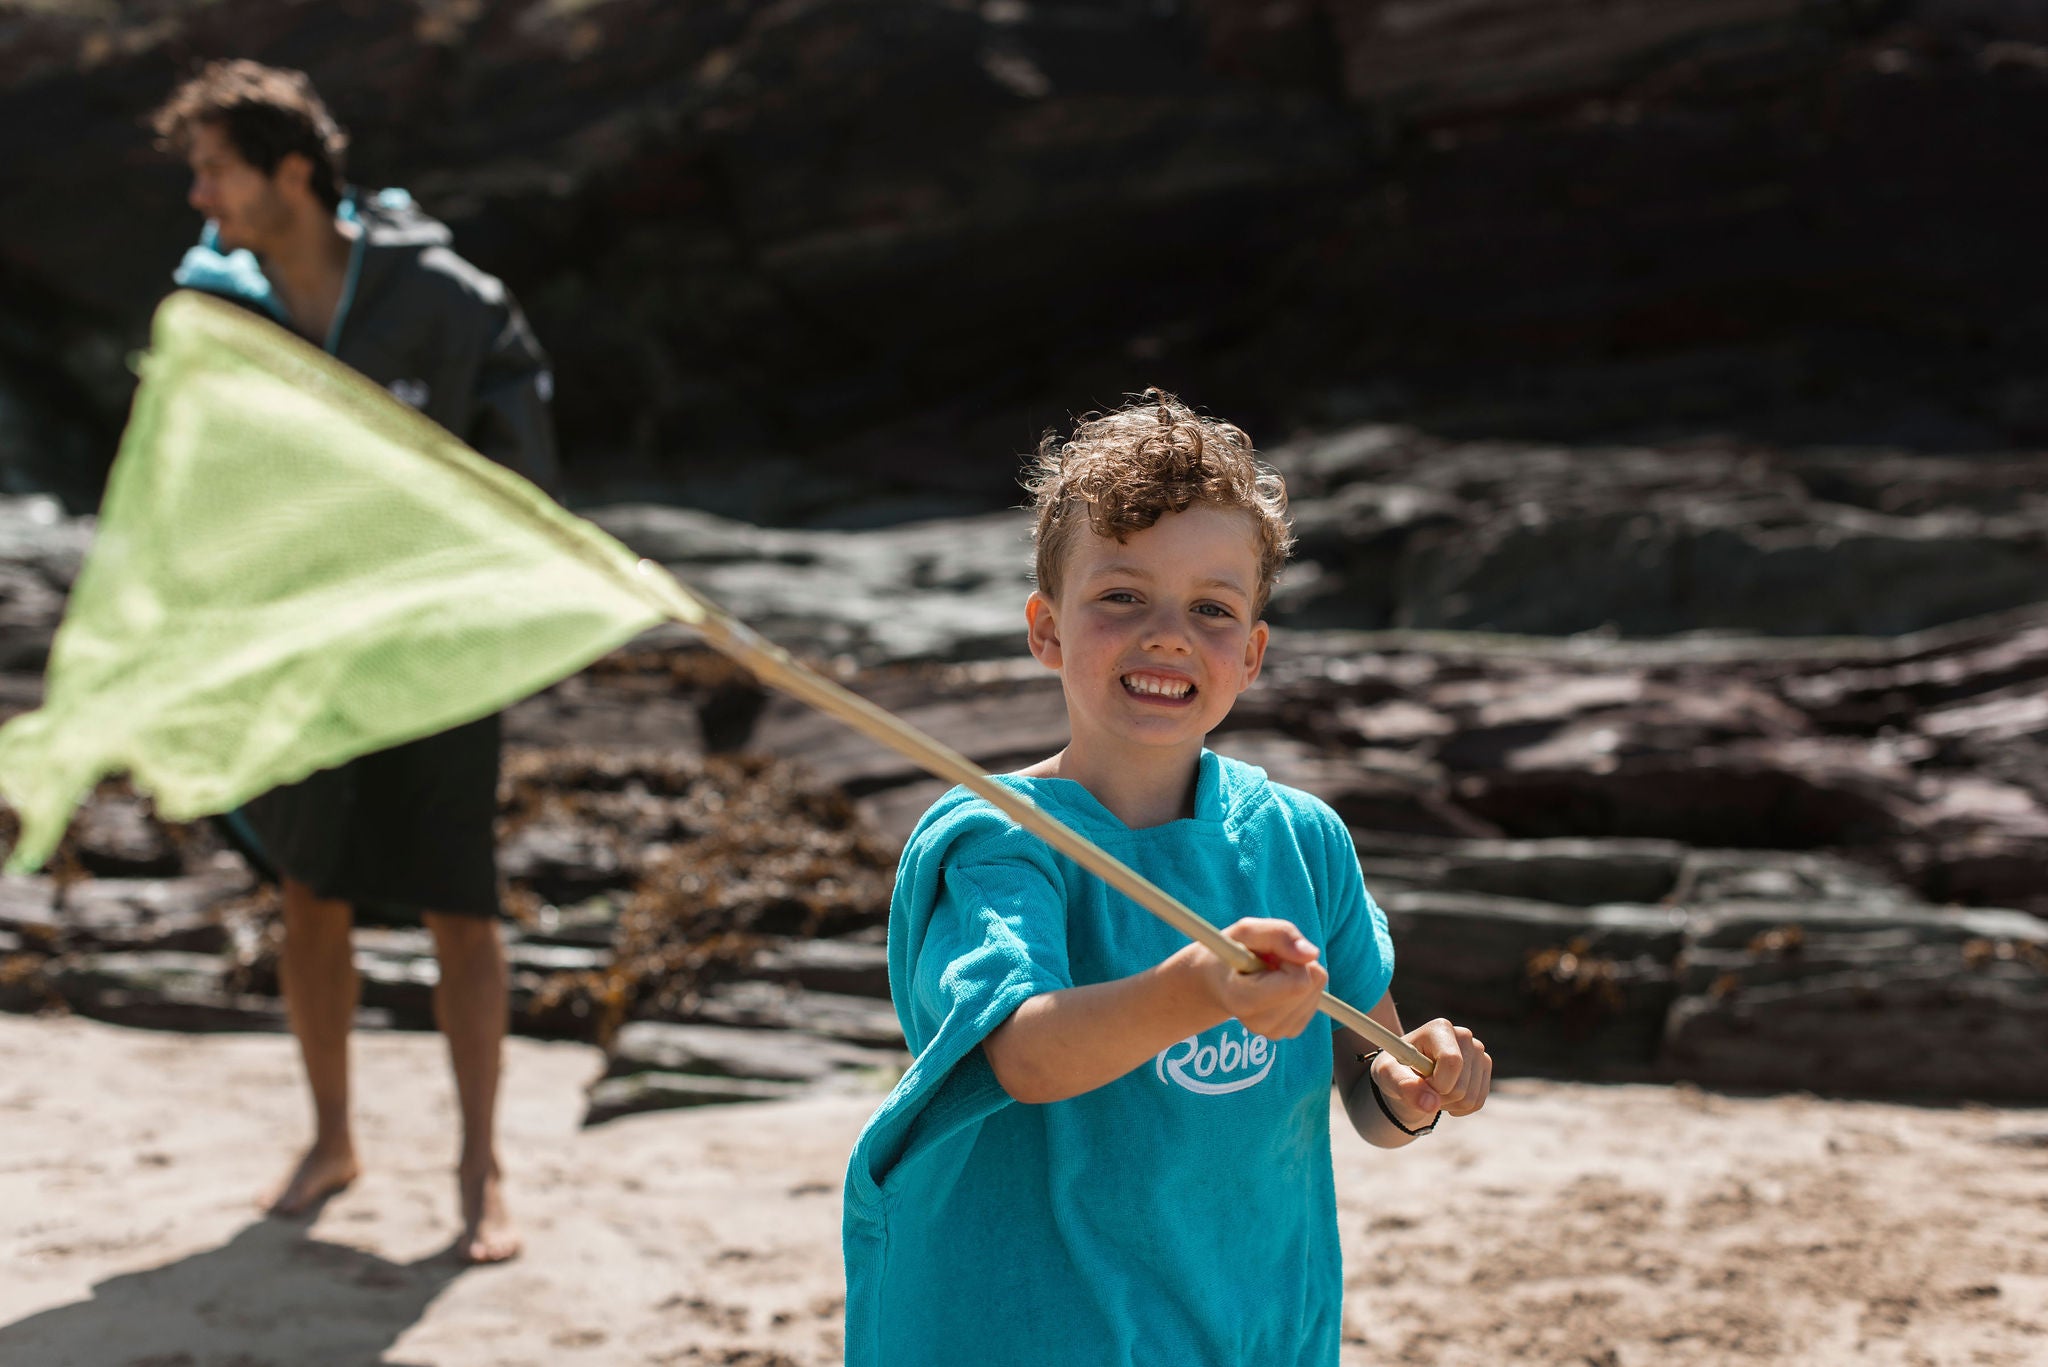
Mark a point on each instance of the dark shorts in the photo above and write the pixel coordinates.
(398, 832)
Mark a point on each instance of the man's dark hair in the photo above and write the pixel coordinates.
(267, 112)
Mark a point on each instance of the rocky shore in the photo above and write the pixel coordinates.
(1813, 859)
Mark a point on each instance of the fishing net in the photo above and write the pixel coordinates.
(292, 569)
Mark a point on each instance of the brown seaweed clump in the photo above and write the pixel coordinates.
(725, 852)
(25, 984)
(1982, 954)
(1574, 983)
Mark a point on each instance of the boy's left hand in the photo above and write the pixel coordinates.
(1463, 1076)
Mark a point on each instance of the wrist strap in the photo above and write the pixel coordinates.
(1387, 1110)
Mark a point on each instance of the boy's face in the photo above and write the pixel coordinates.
(1154, 637)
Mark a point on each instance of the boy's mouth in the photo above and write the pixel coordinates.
(1161, 687)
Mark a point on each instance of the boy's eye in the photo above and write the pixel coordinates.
(1119, 596)
(1213, 610)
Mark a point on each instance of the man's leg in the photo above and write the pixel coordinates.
(470, 1004)
(318, 974)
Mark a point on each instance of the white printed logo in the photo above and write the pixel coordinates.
(1232, 1064)
(411, 393)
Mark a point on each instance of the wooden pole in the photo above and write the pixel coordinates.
(776, 667)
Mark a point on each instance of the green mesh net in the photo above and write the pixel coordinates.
(293, 569)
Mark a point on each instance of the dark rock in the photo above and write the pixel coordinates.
(588, 924)
(895, 812)
(611, 712)
(1799, 933)
(842, 966)
(998, 716)
(951, 590)
(144, 913)
(1649, 541)
(1863, 998)
(563, 862)
(28, 904)
(1901, 1027)
(164, 990)
(1579, 873)
(120, 837)
(724, 1051)
(527, 955)
(396, 971)
(1549, 988)
(25, 984)
(793, 261)
(1753, 799)
(772, 1006)
(1379, 790)
(37, 538)
(613, 1097)
(1773, 876)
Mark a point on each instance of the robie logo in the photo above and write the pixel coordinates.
(1232, 1064)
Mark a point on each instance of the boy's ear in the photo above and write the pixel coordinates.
(1044, 631)
(1255, 651)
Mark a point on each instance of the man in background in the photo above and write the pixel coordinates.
(372, 280)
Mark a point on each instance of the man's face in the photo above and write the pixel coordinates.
(1155, 637)
(248, 208)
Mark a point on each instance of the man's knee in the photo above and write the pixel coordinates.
(306, 908)
(462, 935)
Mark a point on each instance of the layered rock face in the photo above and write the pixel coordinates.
(838, 260)
(1703, 320)
(1740, 859)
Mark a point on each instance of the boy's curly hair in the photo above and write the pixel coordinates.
(1121, 471)
(267, 113)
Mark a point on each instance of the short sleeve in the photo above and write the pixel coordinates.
(993, 931)
(1357, 950)
(990, 935)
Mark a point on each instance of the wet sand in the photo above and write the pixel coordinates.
(1568, 1224)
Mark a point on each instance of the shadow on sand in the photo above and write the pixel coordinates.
(269, 1297)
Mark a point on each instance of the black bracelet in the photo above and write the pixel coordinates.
(1387, 1110)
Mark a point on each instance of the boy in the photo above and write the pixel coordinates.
(1111, 1147)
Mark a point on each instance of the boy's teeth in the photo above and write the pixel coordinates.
(1174, 689)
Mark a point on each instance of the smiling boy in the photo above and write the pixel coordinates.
(1112, 1147)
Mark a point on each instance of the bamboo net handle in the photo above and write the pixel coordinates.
(774, 666)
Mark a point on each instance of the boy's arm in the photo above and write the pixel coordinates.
(1060, 1044)
(1463, 1077)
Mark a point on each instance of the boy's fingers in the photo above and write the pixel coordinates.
(1287, 1024)
(1478, 1081)
(1274, 941)
(1280, 1004)
(1281, 981)
(1414, 1091)
(1464, 1070)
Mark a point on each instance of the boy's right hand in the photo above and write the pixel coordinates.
(1277, 1003)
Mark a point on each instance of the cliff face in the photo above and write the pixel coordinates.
(840, 259)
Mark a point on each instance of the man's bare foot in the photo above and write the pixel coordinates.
(320, 1174)
(487, 1232)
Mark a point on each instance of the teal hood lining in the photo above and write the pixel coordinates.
(239, 275)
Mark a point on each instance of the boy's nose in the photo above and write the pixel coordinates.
(1166, 631)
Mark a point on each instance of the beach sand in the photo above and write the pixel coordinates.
(1567, 1224)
